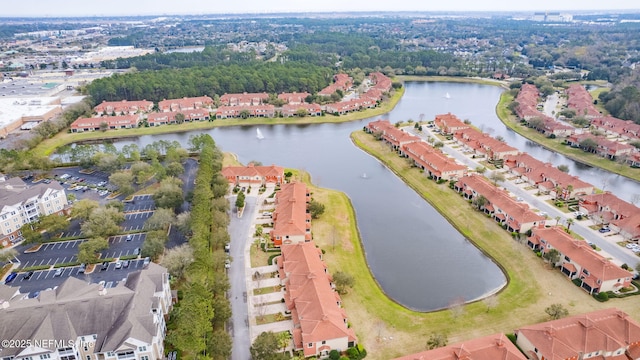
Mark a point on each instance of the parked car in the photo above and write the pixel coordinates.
(118, 264)
(129, 238)
(227, 247)
(28, 275)
(82, 269)
(146, 262)
(58, 272)
(227, 264)
(136, 251)
(10, 277)
(105, 266)
(604, 230)
(125, 264)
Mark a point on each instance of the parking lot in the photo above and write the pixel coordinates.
(135, 221)
(45, 279)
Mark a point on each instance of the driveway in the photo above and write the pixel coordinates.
(610, 249)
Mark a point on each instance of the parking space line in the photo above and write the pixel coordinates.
(39, 274)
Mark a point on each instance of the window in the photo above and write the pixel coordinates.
(144, 357)
(88, 357)
(126, 355)
(323, 342)
(142, 348)
(45, 356)
(310, 345)
(110, 354)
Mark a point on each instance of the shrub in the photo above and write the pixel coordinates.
(270, 261)
(602, 297)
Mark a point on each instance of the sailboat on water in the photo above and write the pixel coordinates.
(259, 134)
(447, 96)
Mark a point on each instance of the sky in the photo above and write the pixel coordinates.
(45, 8)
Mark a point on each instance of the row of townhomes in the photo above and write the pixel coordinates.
(22, 204)
(578, 260)
(615, 135)
(78, 321)
(320, 323)
(130, 114)
(604, 334)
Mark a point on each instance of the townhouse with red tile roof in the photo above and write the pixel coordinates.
(184, 104)
(449, 123)
(381, 82)
(483, 144)
(225, 112)
(244, 99)
(347, 106)
(546, 177)
(579, 261)
(294, 98)
(290, 110)
(320, 324)
(109, 122)
(606, 207)
(605, 147)
(391, 135)
(580, 100)
(433, 162)
(252, 175)
(527, 110)
(602, 334)
(515, 216)
(164, 118)
(291, 220)
(123, 107)
(628, 227)
(492, 347)
(342, 82)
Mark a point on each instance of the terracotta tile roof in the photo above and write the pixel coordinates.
(493, 347)
(341, 82)
(290, 216)
(484, 142)
(603, 330)
(244, 99)
(313, 302)
(294, 98)
(629, 225)
(124, 106)
(111, 121)
(609, 202)
(170, 116)
(581, 254)
(449, 123)
(185, 103)
(579, 99)
(269, 173)
(432, 159)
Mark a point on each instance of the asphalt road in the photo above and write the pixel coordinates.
(188, 178)
(239, 231)
(623, 255)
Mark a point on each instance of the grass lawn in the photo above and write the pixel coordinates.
(271, 318)
(532, 286)
(259, 257)
(266, 290)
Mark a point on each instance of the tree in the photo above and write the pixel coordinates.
(30, 234)
(266, 347)
(161, 219)
(342, 281)
(302, 112)
(479, 202)
(174, 169)
(481, 170)
(552, 256)
(316, 209)
(638, 268)
(53, 223)
(153, 245)
(7, 255)
(123, 180)
(244, 114)
(89, 251)
(564, 168)
(103, 222)
(496, 177)
(83, 208)
(436, 340)
(183, 222)
(588, 144)
(179, 118)
(240, 200)
(104, 126)
(178, 259)
(569, 223)
(142, 171)
(556, 311)
(169, 194)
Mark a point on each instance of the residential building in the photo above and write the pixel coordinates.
(580, 100)
(391, 135)
(320, 324)
(105, 123)
(515, 216)
(483, 144)
(235, 111)
(291, 220)
(294, 98)
(244, 99)
(380, 81)
(252, 175)
(78, 321)
(435, 164)
(449, 123)
(290, 110)
(606, 207)
(603, 334)
(341, 82)
(628, 228)
(492, 347)
(604, 147)
(21, 204)
(579, 261)
(184, 104)
(123, 107)
(163, 118)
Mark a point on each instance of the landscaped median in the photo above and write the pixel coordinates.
(388, 329)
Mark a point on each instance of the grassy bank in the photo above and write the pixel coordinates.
(457, 79)
(386, 328)
(47, 147)
(556, 144)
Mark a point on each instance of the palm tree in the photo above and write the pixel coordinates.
(569, 222)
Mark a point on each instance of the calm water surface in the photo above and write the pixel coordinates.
(416, 256)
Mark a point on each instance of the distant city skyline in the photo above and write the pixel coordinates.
(48, 8)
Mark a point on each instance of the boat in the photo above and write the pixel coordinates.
(364, 175)
(259, 134)
(447, 96)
